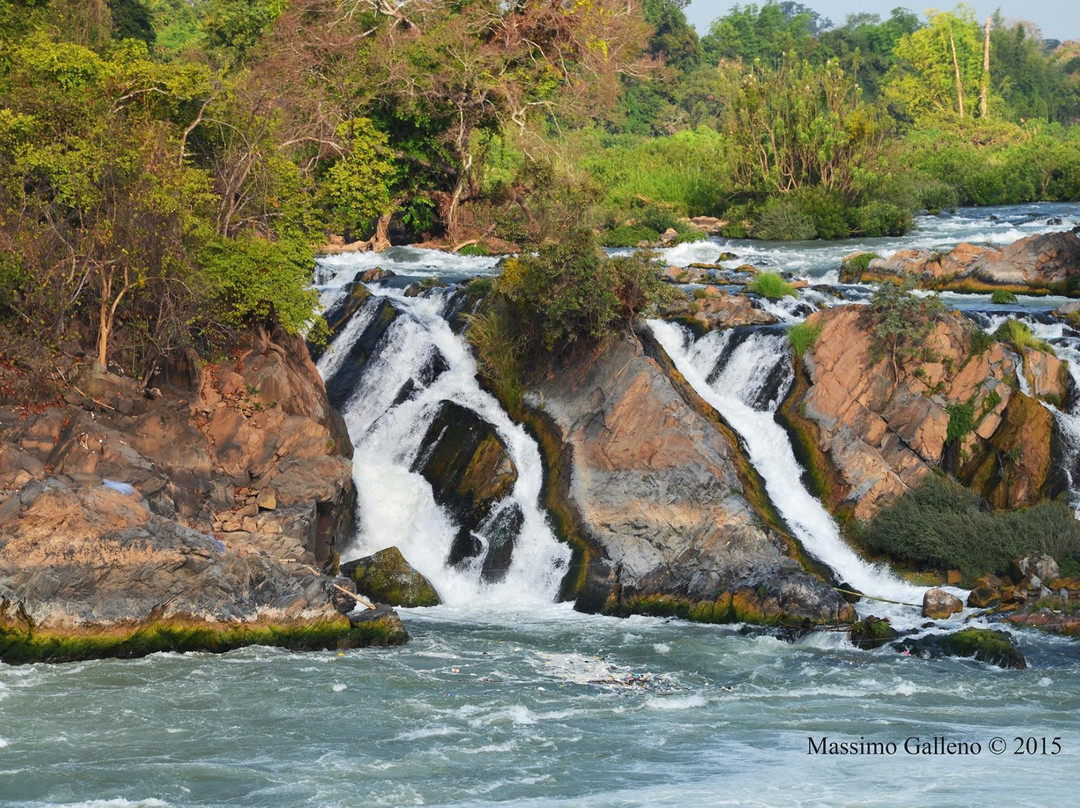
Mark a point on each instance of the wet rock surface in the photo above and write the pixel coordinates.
(660, 504)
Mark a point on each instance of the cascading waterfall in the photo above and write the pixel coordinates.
(745, 375)
(418, 364)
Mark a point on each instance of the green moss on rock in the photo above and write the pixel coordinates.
(388, 578)
(22, 642)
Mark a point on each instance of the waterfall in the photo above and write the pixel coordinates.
(745, 374)
(410, 371)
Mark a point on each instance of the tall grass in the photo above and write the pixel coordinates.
(772, 286)
(687, 171)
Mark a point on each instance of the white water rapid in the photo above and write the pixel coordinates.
(421, 360)
(745, 377)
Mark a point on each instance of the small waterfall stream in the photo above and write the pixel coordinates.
(744, 375)
(418, 364)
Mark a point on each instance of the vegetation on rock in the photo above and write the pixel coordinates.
(942, 525)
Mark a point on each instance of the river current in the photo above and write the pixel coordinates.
(504, 698)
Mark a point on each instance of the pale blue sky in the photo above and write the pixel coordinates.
(1058, 19)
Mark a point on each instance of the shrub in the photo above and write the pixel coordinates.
(783, 219)
(961, 420)
(899, 322)
(980, 341)
(943, 525)
(571, 291)
(771, 285)
(1002, 297)
(880, 219)
(1018, 335)
(803, 336)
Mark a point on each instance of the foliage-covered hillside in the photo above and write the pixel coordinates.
(168, 166)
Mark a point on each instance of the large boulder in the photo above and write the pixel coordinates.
(252, 457)
(656, 494)
(470, 472)
(387, 577)
(984, 645)
(938, 604)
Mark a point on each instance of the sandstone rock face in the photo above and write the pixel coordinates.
(882, 435)
(1042, 261)
(660, 503)
(212, 503)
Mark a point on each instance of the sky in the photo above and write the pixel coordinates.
(1058, 19)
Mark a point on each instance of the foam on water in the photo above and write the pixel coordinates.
(397, 507)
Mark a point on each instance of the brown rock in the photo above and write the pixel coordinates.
(982, 597)
(267, 500)
(659, 499)
(939, 604)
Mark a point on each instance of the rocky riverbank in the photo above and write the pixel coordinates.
(196, 517)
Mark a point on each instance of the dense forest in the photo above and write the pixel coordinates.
(168, 167)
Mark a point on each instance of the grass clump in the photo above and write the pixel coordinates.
(803, 336)
(1018, 335)
(943, 525)
(1001, 297)
(961, 420)
(772, 286)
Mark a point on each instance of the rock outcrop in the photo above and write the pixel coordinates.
(470, 472)
(877, 435)
(125, 518)
(1039, 264)
(657, 499)
(387, 577)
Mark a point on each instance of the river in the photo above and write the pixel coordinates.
(504, 698)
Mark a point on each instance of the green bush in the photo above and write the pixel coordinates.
(943, 525)
(961, 421)
(783, 219)
(571, 291)
(879, 219)
(803, 336)
(900, 323)
(740, 218)
(1002, 297)
(771, 285)
(980, 341)
(1018, 335)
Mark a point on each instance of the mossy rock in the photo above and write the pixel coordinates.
(24, 643)
(871, 633)
(387, 577)
(469, 469)
(985, 645)
(853, 266)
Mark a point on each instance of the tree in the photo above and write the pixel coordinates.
(800, 125)
(937, 67)
(900, 322)
(759, 33)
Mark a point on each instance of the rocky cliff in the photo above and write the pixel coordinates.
(872, 434)
(133, 521)
(667, 515)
